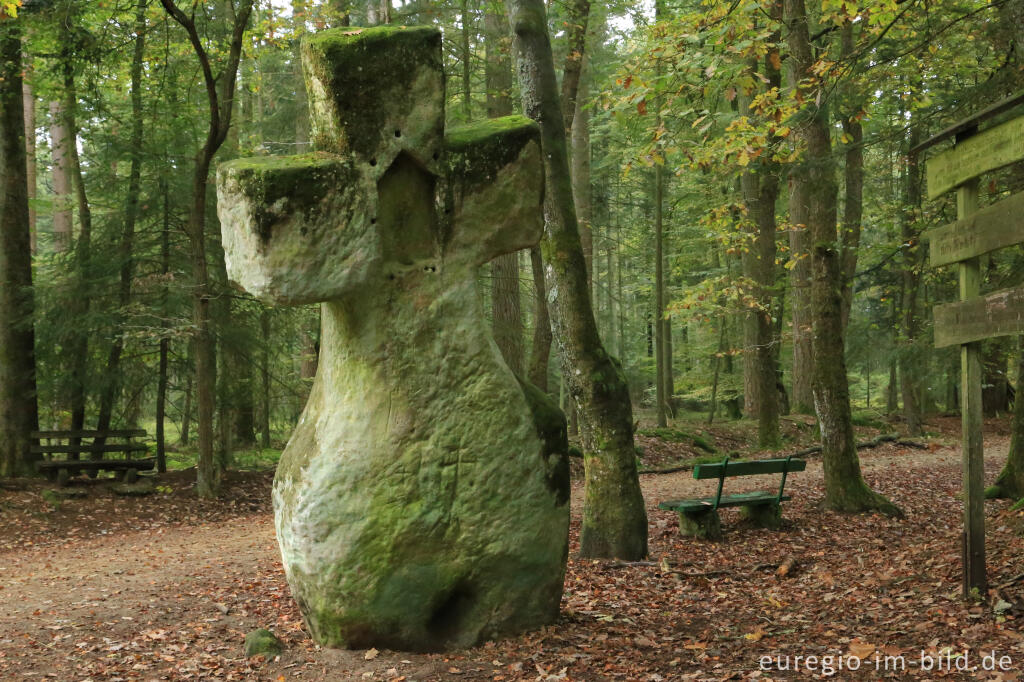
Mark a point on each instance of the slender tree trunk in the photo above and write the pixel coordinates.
(59, 144)
(1010, 482)
(506, 306)
(301, 103)
(659, 294)
(78, 343)
(186, 408)
(113, 374)
(29, 103)
(661, 397)
(800, 284)
(467, 63)
(716, 363)
(265, 379)
(760, 188)
(581, 186)
(614, 518)
(540, 350)
(220, 95)
(909, 362)
(853, 208)
(161, 388)
(845, 489)
(18, 408)
(666, 365)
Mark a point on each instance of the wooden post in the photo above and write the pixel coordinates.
(971, 415)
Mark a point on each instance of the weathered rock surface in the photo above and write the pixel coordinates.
(263, 642)
(422, 501)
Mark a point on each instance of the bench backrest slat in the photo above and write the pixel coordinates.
(90, 433)
(70, 449)
(764, 466)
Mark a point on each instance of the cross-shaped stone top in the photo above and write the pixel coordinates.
(387, 192)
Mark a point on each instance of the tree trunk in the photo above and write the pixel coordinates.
(220, 96)
(112, 382)
(1010, 482)
(186, 408)
(165, 343)
(853, 208)
(78, 342)
(909, 362)
(59, 144)
(301, 103)
(581, 174)
(29, 102)
(614, 518)
(845, 489)
(265, 379)
(540, 351)
(760, 188)
(659, 295)
(660, 395)
(506, 306)
(802, 401)
(18, 409)
(467, 66)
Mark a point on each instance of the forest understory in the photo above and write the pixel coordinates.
(167, 586)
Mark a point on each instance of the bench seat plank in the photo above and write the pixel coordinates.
(736, 500)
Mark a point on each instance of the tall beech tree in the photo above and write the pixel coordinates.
(18, 408)
(220, 95)
(614, 518)
(845, 489)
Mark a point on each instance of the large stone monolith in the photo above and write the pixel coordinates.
(422, 501)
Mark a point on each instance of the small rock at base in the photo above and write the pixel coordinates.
(262, 642)
(143, 486)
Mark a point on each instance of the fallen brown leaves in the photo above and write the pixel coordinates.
(171, 595)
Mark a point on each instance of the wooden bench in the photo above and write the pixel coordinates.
(699, 516)
(70, 443)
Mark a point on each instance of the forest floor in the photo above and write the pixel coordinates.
(166, 586)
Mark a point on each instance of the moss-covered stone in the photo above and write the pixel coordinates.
(762, 515)
(375, 90)
(263, 642)
(704, 525)
(422, 501)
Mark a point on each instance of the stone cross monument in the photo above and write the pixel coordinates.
(422, 501)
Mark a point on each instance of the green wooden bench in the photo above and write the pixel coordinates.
(699, 516)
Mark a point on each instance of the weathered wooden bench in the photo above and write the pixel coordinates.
(70, 443)
(699, 516)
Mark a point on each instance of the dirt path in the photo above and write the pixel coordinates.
(174, 602)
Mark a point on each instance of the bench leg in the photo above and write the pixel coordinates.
(703, 524)
(130, 475)
(762, 515)
(63, 476)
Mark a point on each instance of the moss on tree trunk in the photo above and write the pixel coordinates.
(614, 517)
(1010, 483)
(845, 489)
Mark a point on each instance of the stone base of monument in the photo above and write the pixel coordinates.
(422, 501)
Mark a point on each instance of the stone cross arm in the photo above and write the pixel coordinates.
(388, 192)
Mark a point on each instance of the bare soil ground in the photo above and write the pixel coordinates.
(165, 588)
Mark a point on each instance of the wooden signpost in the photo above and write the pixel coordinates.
(975, 317)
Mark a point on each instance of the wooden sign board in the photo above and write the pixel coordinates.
(994, 227)
(982, 317)
(981, 153)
